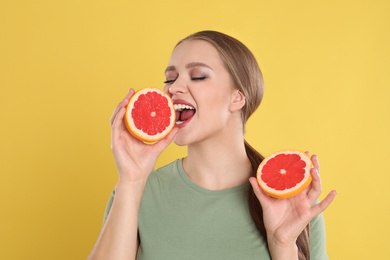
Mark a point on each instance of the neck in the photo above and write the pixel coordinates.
(218, 164)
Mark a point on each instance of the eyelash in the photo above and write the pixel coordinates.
(172, 80)
(200, 78)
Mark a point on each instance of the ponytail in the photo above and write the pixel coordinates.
(257, 212)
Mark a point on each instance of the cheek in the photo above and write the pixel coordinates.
(216, 109)
(220, 101)
(166, 89)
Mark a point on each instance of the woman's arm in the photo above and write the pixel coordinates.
(134, 161)
(118, 238)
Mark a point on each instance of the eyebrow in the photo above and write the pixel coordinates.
(189, 65)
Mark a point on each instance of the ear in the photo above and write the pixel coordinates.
(238, 101)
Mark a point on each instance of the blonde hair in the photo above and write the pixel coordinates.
(247, 78)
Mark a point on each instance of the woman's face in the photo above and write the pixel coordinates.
(202, 91)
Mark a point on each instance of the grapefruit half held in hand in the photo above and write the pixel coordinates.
(285, 174)
(150, 115)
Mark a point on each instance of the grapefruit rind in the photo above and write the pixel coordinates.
(286, 193)
(139, 134)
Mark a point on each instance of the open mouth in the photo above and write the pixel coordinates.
(183, 113)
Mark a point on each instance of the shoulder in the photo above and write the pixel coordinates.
(317, 238)
(164, 173)
(156, 177)
(168, 168)
(162, 181)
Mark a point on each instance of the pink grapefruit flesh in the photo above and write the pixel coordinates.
(150, 115)
(285, 174)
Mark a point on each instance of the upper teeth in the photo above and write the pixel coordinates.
(180, 107)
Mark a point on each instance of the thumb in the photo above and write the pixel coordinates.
(163, 143)
(263, 197)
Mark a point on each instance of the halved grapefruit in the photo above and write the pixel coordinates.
(285, 174)
(150, 115)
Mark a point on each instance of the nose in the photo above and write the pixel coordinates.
(177, 87)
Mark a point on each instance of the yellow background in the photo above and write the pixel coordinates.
(64, 66)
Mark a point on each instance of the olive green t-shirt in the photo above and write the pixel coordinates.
(181, 220)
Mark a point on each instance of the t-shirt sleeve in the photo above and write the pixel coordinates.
(108, 207)
(317, 239)
(111, 200)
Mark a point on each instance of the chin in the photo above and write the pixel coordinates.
(179, 141)
(182, 139)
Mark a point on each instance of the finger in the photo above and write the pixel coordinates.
(324, 204)
(123, 103)
(316, 163)
(163, 143)
(263, 197)
(315, 187)
(116, 123)
(309, 187)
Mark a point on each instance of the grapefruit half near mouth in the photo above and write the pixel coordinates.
(285, 174)
(150, 115)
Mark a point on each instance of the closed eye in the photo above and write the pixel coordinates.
(169, 81)
(200, 78)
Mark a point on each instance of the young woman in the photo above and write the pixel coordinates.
(203, 206)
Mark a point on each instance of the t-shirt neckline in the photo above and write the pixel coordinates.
(198, 188)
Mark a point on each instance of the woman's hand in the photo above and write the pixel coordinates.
(134, 159)
(285, 219)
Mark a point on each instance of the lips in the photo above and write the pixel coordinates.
(184, 112)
